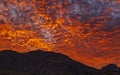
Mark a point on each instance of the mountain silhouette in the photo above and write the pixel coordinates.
(45, 63)
(110, 67)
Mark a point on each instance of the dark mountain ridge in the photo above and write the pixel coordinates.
(45, 63)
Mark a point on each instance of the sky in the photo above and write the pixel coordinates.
(85, 30)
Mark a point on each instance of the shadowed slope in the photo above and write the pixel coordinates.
(42, 63)
(47, 63)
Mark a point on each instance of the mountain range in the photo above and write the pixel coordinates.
(47, 63)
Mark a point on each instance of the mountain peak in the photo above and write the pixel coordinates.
(110, 67)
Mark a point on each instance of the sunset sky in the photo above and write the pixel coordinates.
(88, 31)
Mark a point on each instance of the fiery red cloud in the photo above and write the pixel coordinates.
(86, 30)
